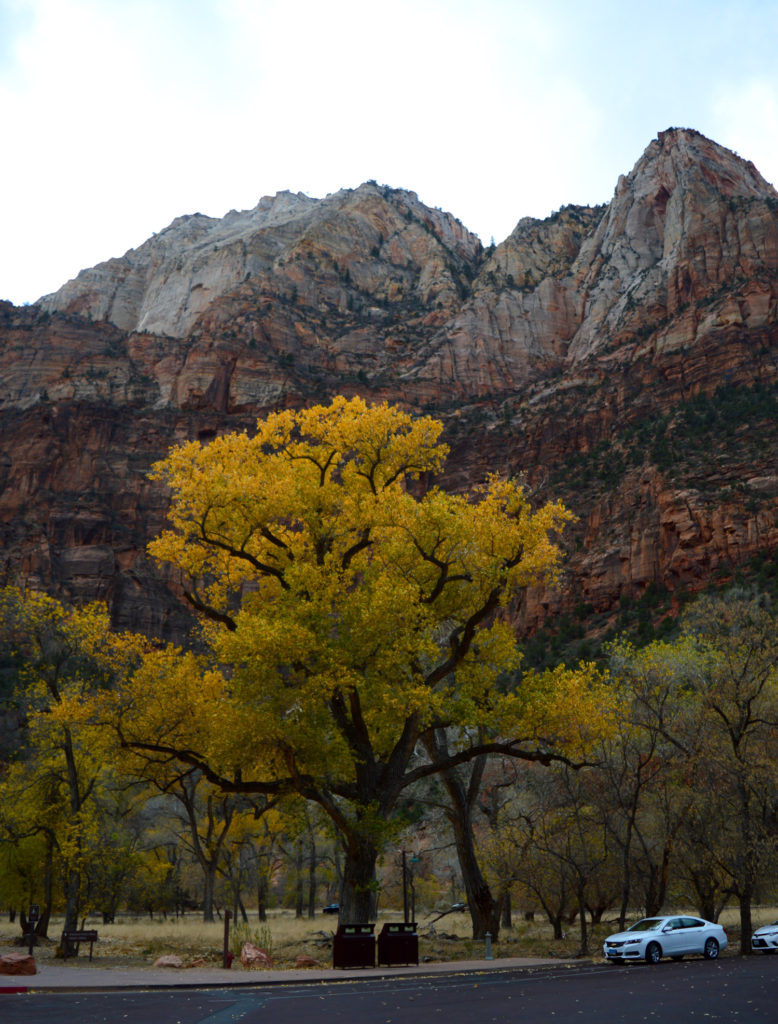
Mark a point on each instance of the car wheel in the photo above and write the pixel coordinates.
(711, 950)
(653, 953)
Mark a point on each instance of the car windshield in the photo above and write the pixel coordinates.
(648, 924)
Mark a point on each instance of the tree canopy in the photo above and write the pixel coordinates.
(349, 608)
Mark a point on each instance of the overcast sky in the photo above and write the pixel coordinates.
(119, 115)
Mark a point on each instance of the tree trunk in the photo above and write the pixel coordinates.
(262, 897)
(209, 885)
(705, 893)
(73, 881)
(42, 927)
(653, 905)
(626, 887)
(555, 915)
(26, 926)
(582, 915)
(507, 910)
(748, 867)
(312, 881)
(358, 897)
(484, 909)
(72, 891)
(299, 896)
(746, 927)
(72, 887)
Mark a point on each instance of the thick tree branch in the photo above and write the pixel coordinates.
(209, 612)
(509, 748)
(461, 640)
(242, 555)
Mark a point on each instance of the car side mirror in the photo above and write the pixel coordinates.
(667, 928)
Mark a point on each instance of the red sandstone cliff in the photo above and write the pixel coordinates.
(574, 352)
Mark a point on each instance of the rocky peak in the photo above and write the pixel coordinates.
(166, 284)
(688, 223)
(691, 217)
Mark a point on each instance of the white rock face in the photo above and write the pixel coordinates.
(162, 286)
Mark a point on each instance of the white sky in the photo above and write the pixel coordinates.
(119, 115)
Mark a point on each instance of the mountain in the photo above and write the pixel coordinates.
(622, 357)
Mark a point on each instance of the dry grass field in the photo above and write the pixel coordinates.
(137, 942)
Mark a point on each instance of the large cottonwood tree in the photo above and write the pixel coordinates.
(351, 610)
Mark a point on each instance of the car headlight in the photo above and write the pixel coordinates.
(631, 942)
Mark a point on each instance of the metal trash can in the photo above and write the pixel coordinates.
(354, 946)
(398, 943)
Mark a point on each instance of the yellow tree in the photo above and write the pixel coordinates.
(62, 657)
(353, 608)
(30, 821)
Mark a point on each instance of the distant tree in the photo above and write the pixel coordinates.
(735, 643)
(562, 856)
(715, 705)
(565, 714)
(648, 790)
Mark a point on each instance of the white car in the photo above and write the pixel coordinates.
(765, 939)
(655, 937)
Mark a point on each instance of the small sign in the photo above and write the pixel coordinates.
(35, 913)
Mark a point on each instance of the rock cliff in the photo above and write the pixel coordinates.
(622, 357)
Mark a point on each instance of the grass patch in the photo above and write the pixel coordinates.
(137, 942)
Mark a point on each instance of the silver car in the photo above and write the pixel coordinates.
(765, 939)
(654, 937)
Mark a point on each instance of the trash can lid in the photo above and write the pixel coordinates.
(355, 929)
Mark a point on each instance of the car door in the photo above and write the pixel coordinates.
(693, 934)
(673, 937)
